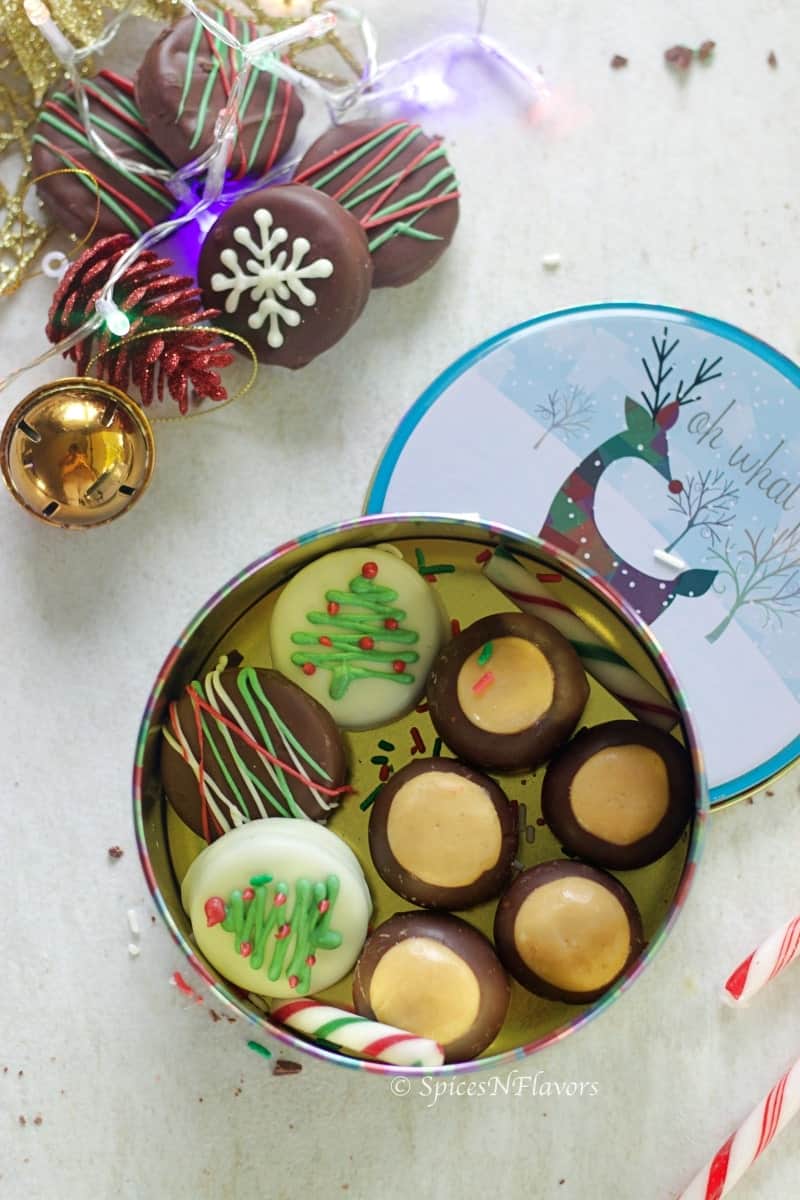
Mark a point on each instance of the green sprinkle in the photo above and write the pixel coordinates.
(259, 1049)
(437, 569)
(420, 558)
(257, 880)
(437, 747)
(370, 800)
(485, 654)
(379, 760)
(384, 745)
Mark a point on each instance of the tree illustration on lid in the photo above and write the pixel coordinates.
(364, 635)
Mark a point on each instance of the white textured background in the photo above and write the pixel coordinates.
(650, 188)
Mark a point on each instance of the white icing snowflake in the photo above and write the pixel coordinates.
(269, 280)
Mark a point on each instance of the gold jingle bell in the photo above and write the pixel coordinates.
(77, 452)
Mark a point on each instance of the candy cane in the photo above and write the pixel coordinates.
(749, 1141)
(532, 593)
(358, 1034)
(767, 960)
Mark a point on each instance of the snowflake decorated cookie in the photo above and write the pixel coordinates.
(279, 907)
(290, 269)
(358, 629)
(398, 182)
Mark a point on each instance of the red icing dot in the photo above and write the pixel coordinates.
(283, 932)
(391, 623)
(248, 893)
(398, 666)
(246, 949)
(280, 898)
(369, 570)
(311, 959)
(215, 910)
(308, 668)
(333, 608)
(675, 486)
(324, 905)
(366, 643)
(325, 641)
(293, 981)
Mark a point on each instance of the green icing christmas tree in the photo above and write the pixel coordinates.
(364, 635)
(272, 935)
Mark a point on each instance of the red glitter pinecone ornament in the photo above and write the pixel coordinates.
(151, 299)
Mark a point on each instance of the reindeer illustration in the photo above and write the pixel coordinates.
(570, 524)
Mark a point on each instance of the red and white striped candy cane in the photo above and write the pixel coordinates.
(749, 1141)
(767, 960)
(358, 1034)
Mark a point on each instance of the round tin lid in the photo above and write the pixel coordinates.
(661, 448)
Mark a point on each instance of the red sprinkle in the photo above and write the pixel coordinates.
(248, 894)
(246, 949)
(283, 932)
(416, 737)
(391, 623)
(367, 643)
(293, 981)
(384, 772)
(484, 556)
(486, 680)
(333, 608)
(455, 627)
(311, 959)
(308, 668)
(181, 984)
(324, 905)
(214, 910)
(325, 641)
(422, 708)
(369, 570)
(280, 898)
(398, 666)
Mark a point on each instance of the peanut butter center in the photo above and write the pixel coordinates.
(621, 793)
(444, 829)
(424, 987)
(505, 686)
(573, 933)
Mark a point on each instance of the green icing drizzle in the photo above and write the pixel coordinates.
(485, 654)
(265, 120)
(191, 59)
(341, 651)
(96, 189)
(277, 941)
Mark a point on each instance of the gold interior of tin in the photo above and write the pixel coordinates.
(241, 621)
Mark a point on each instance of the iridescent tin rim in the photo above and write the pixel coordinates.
(696, 840)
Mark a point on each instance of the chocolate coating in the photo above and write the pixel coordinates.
(576, 838)
(524, 886)
(128, 203)
(225, 781)
(470, 946)
(268, 113)
(488, 883)
(336, 240)
(529, 746)
(389, 167)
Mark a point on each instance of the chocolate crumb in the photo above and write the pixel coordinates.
(618, 62)
(22, 1120)
(679, 56)
(5, 1070)
(237, 1091)
(772, 59)
(285, 1066)
(749, 799)
(706, 50)
(770, 793)
(115, 852)
(19, 1074)
(214, 1015)
(37, 1120)
(561, 1181)
(231, 1020)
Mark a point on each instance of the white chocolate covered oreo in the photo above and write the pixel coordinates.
(279, 907)
(359, 630)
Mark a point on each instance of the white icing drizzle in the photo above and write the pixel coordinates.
(269, 280)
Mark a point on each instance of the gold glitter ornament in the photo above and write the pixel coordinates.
(77, 453)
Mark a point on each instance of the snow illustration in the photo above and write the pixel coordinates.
(567, 409)
(270, 278)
